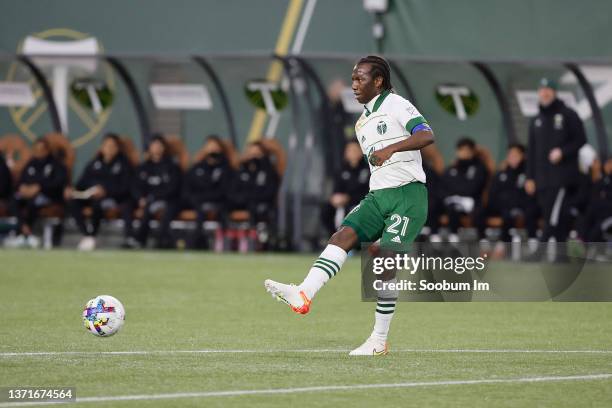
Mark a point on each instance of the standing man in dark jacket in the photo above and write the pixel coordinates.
(555, 136)
(104, 184)
(464, 183)
(351, 185)
(41, 183)
(157, 187)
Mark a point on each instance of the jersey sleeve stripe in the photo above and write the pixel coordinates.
(414, 122)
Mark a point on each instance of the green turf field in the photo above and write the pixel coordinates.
(442, 355)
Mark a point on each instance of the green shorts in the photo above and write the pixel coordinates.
(395, 215)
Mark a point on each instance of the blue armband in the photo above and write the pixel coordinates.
(421, 126)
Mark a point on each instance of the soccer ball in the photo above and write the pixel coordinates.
(103, 316)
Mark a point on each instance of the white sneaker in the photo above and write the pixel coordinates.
(371, 347)
(532, 245)
(13, 242)
(290, 294)
(435, 238)
(87, 244)
(485, 244)
(499, 251)
(33, 242)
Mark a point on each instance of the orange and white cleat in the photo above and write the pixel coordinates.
(371, 347)
(290, 294)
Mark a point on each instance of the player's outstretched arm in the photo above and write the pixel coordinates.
(417, 141)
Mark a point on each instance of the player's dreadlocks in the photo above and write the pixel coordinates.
(380, 67)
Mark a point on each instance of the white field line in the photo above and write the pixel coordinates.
(272, 351)
(323, 388)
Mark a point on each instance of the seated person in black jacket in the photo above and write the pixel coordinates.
(255, 185)
(351, 185)
(464, 183)
(207, 185)
(508, 199)
(598, 215)
(41, 183)
(104, 185)
(156, 188)
(6, 182)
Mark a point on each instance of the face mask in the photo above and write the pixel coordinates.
(214, 157)
(254, 164)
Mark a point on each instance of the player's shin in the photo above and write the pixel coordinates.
(323, 269)
(385, 308)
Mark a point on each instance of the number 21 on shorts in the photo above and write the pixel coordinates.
(396, 220)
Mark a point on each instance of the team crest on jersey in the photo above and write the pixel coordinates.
(381, 127)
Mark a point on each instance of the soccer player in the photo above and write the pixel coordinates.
(41, 184)
(206, 189)
(464, 183)
(106, 180)
(391, 132)
(157, 188)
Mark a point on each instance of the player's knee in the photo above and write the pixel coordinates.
(346, 238)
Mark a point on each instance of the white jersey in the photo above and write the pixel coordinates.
(388, 118)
